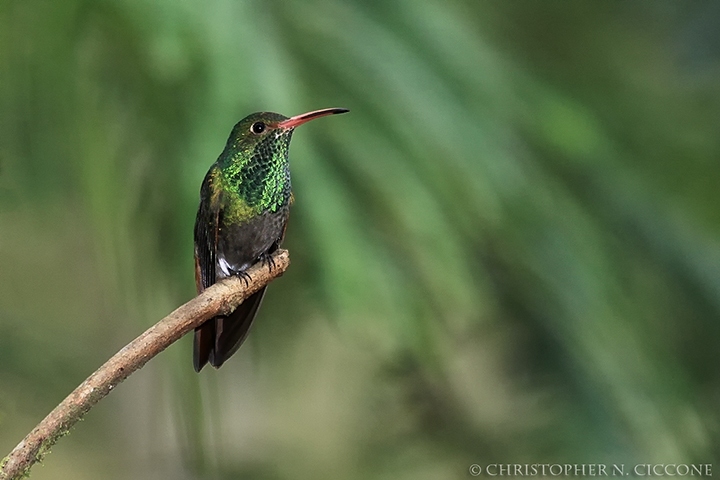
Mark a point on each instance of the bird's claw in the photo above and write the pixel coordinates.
(244, 276)
(268, 260)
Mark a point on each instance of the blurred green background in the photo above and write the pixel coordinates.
(508, 252)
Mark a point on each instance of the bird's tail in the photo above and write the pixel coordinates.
(219, 338)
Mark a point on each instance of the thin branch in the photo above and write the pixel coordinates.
(220, 299)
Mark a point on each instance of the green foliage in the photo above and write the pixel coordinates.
(506, 252)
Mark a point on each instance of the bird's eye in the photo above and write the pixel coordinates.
(257, 128)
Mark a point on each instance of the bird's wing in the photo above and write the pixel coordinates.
(207, 224)
(206, 238)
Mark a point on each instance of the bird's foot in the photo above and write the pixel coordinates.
(267, 260)
(244, 277)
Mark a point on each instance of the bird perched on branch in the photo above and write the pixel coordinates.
(244, 206)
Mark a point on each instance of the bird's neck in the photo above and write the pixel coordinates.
(257, 184)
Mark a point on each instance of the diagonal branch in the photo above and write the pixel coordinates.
(219, 299)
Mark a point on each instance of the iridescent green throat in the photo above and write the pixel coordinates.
(256, 179)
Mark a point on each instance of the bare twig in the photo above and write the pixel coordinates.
(219, 299)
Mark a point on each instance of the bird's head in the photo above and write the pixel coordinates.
(268, 133)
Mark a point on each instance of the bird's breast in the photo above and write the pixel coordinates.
(240, 244)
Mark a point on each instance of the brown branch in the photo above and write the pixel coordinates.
(219, 299)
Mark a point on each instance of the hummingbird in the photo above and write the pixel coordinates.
(244, 208)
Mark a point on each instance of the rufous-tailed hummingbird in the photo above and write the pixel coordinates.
(244, 207)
